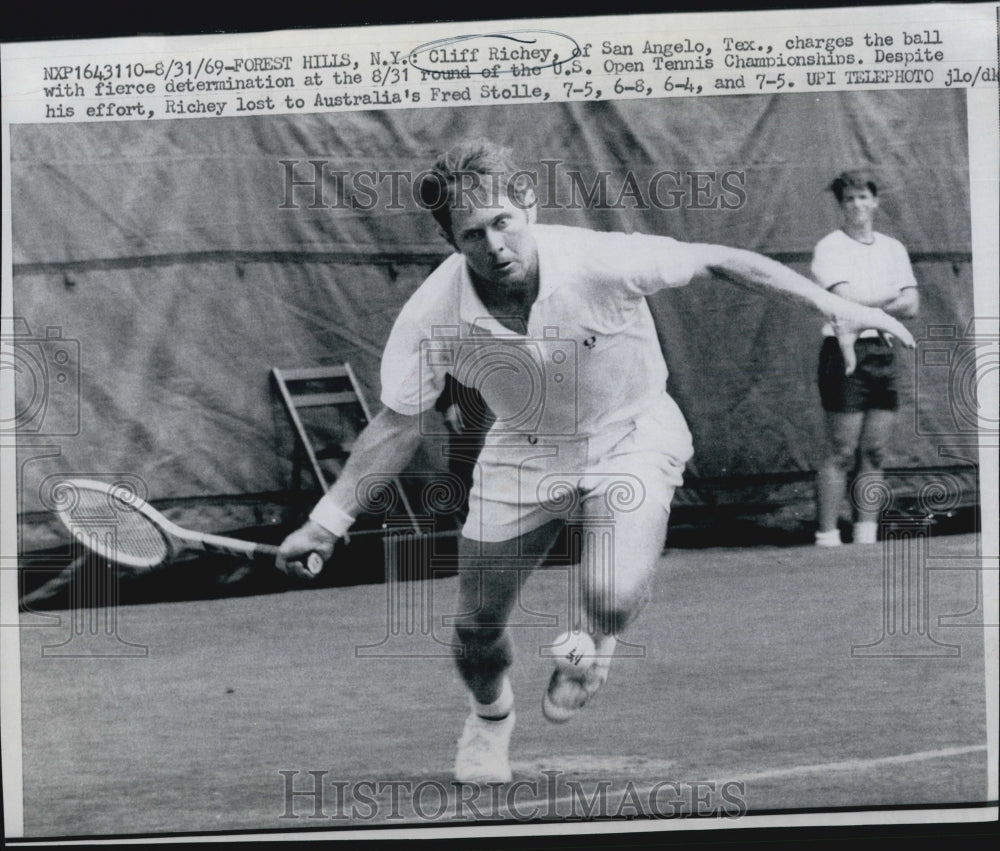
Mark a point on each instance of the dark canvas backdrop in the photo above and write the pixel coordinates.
(163, 248)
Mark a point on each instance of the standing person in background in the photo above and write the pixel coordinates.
(860, 397)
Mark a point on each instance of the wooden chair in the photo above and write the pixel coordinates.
(327, 410)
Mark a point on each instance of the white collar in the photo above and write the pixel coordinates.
(471, 308)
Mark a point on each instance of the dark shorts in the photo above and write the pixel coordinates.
(872, 385)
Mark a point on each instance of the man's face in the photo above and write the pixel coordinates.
(858, 206)
(494, 235)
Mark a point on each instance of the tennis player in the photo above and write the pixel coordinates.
(550, 324)
(860, 264)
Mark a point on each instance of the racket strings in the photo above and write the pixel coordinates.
(123, 533)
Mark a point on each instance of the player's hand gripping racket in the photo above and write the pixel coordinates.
(114, 522)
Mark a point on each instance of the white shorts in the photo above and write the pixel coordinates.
(521, 482)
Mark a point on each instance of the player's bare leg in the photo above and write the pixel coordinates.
(490, 577)
(843, 436)
(619, 554)
(875, 436)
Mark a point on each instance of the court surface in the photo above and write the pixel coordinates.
(744, 688)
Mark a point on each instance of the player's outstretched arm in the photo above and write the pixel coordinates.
(904, 305)
(383, 447)
(747, 267)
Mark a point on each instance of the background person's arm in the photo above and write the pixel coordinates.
(903, 305)
(906, 305)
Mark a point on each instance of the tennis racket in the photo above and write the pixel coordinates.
(114, 522)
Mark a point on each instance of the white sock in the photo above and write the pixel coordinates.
(499, 708)
(866, 532)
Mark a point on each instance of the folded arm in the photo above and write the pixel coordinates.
(903, 305)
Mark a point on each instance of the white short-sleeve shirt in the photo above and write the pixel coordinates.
(590, 356)
(881, 269)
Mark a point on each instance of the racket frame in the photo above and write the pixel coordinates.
(177, 540)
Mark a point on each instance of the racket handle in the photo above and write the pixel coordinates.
(314, 564)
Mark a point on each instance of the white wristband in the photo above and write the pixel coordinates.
(335, 520)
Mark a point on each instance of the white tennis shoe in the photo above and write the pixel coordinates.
(828, 539)
(566, 694)
(483, 750)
